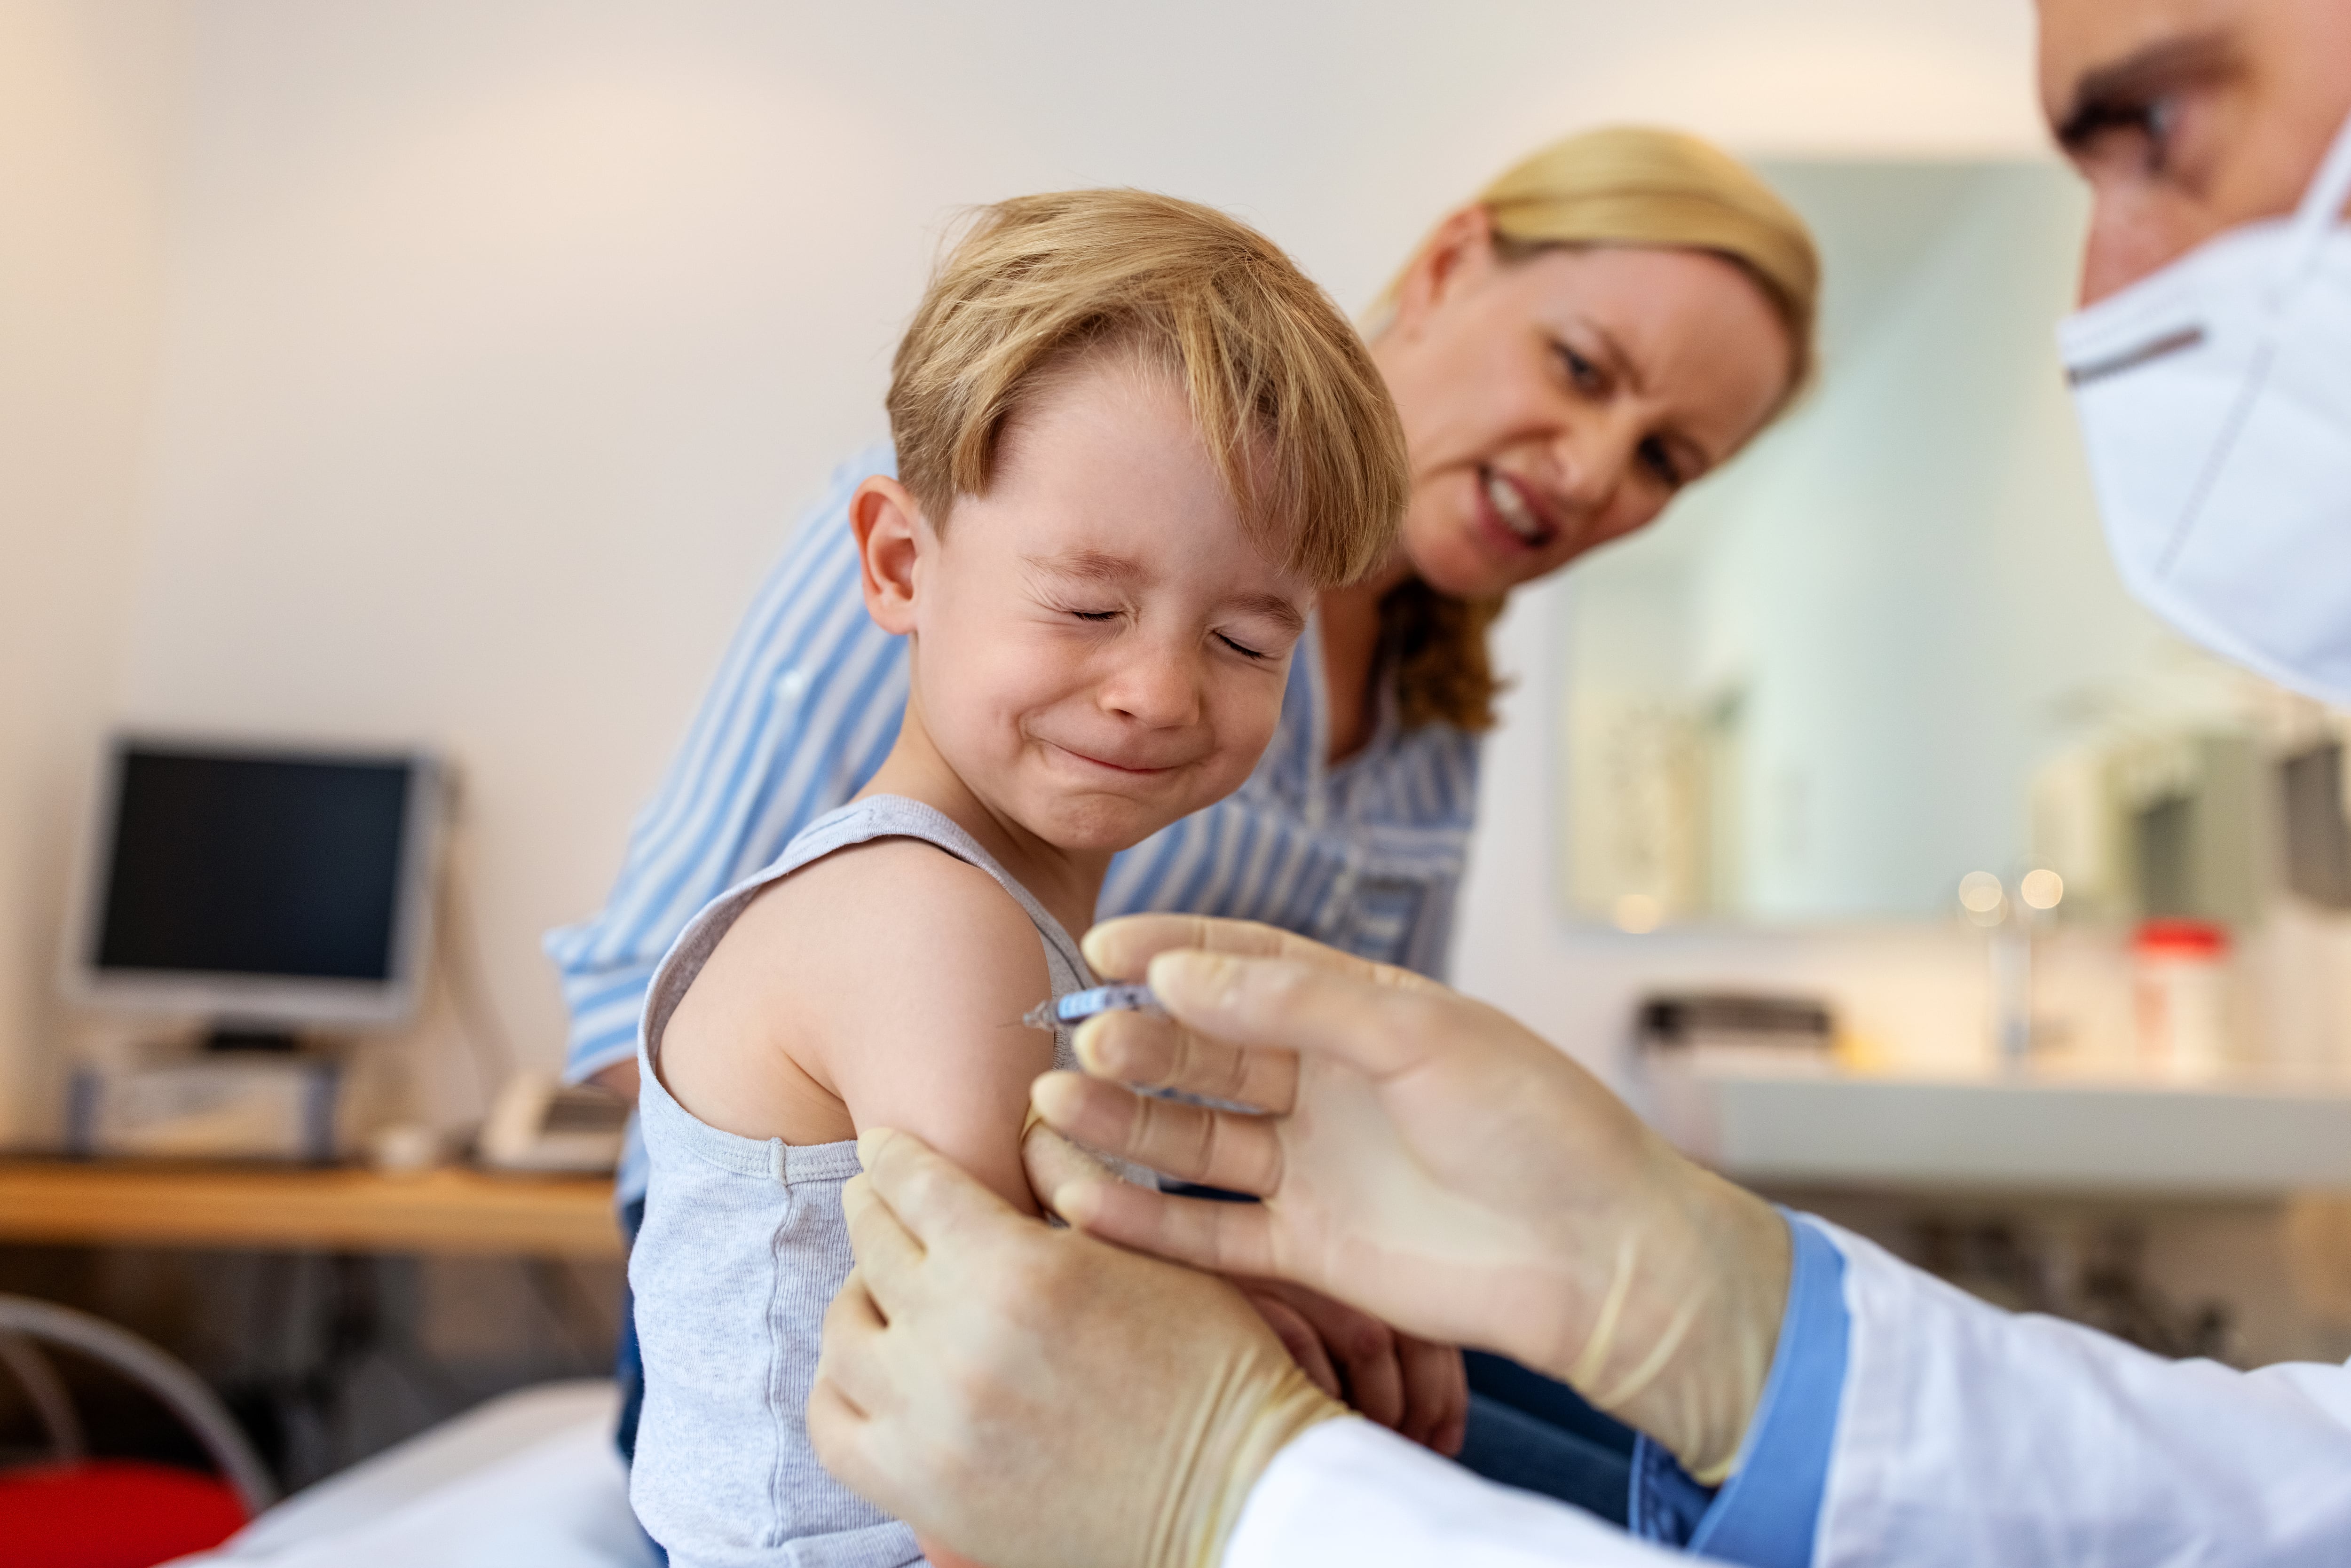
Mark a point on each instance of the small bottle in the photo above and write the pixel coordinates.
(2180, 993)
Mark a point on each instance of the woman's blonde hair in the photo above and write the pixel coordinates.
(1283, 392)
(1625, 185)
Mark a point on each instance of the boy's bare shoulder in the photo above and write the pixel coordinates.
(880, 982)
(913, 970)
(898, 928)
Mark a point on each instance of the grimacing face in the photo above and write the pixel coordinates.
(2189, 116)
(1554, 403)
(1099, 646)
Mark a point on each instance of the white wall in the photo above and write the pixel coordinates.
(502, 339)
(1906, 582)
(84, 92)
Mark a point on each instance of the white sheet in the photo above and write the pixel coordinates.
(528, 1478)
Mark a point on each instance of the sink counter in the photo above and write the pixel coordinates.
(2240, 1137)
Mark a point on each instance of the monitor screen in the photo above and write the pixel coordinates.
(225, 863)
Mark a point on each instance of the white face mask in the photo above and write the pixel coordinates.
(2215, 400)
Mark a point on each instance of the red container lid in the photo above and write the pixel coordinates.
(2180, 939)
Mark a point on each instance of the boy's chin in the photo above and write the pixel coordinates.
(1100, 825)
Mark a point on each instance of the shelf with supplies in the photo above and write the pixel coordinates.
(2243, 1136)
(333, 1209)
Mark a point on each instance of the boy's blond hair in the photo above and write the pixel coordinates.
(1281, 388)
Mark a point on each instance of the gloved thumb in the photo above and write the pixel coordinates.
(1054, 1164)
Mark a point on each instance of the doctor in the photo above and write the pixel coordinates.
(1042, 1397)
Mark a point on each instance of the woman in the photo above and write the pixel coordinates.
(1609, 320)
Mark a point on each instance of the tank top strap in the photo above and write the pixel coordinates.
(897, 817)
(858, 822)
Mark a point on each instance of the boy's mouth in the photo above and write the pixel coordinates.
(1134, 767)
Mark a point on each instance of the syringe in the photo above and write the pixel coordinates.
(1079, 1006)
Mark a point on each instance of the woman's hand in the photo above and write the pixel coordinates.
(1427, 1160)
(1410, 1386)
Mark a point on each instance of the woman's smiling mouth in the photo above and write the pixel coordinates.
(1511, 508)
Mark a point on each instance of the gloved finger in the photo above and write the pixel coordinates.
(1220, 1238)
(838, 1430)
(1366, 1021)
(1122, 948)
(1051, 1161)
(888, 1257)
(1232, 1150)
(1436, 1395)
(935, 1199)
(850, 1358)
(1299, 1338)
(1153, 1052)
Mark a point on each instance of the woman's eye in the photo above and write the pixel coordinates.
(1660, 462)
(1581, 371)
(1242, 649)
(1095, 614)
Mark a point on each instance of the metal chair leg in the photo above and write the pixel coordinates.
(46, 1391)
(180, 1390)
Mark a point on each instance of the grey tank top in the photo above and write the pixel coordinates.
(743, 1248)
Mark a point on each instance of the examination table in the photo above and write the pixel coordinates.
(528, 1478)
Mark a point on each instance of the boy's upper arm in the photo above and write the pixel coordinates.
(931, 965)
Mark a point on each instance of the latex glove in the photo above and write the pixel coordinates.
(1417, 1389)
(1033, 1396)
(1430, 1161)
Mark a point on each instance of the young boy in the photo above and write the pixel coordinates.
(1133, 443)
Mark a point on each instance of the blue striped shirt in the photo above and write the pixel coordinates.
(1366, 856)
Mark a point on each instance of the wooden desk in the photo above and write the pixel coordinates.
(139, 1203)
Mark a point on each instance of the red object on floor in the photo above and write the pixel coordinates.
(111, 1513)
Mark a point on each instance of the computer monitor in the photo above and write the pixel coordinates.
(260, 889)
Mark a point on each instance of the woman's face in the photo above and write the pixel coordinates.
(1554, 403)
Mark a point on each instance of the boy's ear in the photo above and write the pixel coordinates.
(1461, 248)
(889, 526)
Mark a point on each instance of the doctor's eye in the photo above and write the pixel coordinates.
(2143, 129)
(2157, 122)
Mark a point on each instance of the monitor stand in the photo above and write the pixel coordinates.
(244, 1037)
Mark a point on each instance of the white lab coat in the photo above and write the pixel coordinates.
(1966, 1436)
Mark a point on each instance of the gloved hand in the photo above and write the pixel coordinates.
(1426, 1160)
(976, 1361)
(1413, 1387)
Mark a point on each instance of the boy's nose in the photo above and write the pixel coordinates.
(1160, 688)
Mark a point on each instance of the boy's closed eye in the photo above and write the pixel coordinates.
(1259, 639)
(1259, 647)
(1242, 649)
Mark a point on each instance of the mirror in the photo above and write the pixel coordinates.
(1886, 647)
